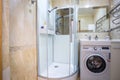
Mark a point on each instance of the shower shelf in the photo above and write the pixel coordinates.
(46, 31)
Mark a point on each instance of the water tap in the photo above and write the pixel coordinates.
(96, 37)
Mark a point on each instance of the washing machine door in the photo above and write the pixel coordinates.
(96, 64)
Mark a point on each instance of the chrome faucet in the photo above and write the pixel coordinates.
(96, 37)
(89, 37)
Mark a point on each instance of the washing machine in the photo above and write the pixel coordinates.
(95, 62)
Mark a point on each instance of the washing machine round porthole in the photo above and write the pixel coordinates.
(96, 64)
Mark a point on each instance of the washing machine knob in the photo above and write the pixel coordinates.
(95, 48)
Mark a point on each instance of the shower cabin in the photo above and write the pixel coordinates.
(57, 41)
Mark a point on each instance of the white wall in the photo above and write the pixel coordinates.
(42, 10)
(45, 52)
(66, 51)
(50, 49)
(115, 61)
(42, 54)
(61, 48)
(51, 17)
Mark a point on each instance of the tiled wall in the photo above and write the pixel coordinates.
(61, 3)
(81, 3)
(92, 3)
(23, 63)
(116, 33)
(22, 33)
(5, 41)
(100, 35)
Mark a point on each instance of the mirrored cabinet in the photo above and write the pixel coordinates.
(93, 19)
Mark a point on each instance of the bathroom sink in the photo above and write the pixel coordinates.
(115, 40)
(95, 42)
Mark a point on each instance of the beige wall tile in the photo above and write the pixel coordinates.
(23, 60)
(81, 3)
(22, 23)
(92, 3)
(23, 63)
(5, 35)
(61, 3)
(115, 35)
(100, 35)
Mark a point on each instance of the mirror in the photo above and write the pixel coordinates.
(94, 19)
(64, 18)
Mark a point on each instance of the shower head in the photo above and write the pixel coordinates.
(52, 9)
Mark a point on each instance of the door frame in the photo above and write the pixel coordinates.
(0, 39)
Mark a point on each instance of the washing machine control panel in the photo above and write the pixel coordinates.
(105, 48)
(96, 48)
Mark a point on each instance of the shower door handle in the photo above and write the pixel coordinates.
(71, 30)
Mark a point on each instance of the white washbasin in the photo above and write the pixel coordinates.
(115, 40)
(95, 42)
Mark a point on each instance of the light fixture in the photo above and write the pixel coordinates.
(87, 4)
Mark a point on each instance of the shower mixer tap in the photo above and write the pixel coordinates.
(89, 37)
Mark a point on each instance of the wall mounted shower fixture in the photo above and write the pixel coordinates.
(52, 9)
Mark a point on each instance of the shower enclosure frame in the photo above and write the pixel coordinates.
(72, 32)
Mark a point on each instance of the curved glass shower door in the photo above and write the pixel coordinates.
(58, 54)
